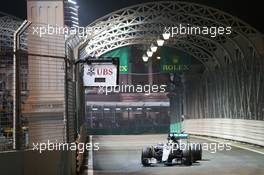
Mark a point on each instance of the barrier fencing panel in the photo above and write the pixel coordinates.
(50, 105)
(70, 98)
(43, 106)
(41, 95)
(249, 131)
(235, 91)
(6, 100)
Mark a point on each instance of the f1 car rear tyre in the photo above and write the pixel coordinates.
(187, 156)
(197, 152)
(145, 156)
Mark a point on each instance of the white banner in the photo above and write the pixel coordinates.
(100, 74)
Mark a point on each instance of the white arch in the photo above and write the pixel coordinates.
(143, 23)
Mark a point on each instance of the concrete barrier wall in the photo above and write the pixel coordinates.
(34, 163)
(250, 131)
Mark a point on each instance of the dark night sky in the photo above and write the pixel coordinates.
(249, 11)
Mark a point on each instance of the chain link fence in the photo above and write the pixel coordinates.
(37, 92)
(6, 100)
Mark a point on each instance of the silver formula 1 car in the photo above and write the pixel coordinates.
(178, 148)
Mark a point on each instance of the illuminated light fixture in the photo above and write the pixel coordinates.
(73, 8)
(75, 26)
(145, 58)
(72, 2)
(153, 48)
(74, 13)
(75, 22)
(149, 53)
(160, 42)
(74, 18)
(166, 35)
(158, 57)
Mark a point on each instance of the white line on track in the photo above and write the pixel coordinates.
(90, 158)
(238, 146)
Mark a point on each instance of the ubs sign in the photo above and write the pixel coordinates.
(100, 74)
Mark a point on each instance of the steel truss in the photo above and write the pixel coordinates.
(146, 21)
(232, 86)
(8, 25)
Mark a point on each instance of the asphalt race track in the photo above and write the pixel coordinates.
(121, 155)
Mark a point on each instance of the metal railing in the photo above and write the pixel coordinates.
(235, 91)
(250, 131)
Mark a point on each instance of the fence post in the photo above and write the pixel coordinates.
(66, 91)
(17, 135)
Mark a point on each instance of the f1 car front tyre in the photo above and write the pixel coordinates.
(145, 156)
(197, 152)
(187, 156)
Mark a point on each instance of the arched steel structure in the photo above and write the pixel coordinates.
(143, 23)
(8, 25)
(233, 86)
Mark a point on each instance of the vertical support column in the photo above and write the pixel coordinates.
(115, 117)
(17, 135)
(44, 106)
(176, 103)
(91, 117)
(66, 114)
(78, 104)
(128, 116)
(129, 76)
(150, 71)
(17, 141)
(184, 98)
(82, 103)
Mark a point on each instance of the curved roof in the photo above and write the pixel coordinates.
(142, 24)
(8, 25)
